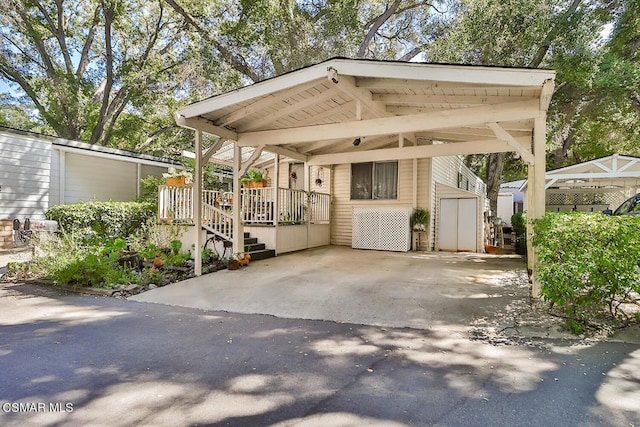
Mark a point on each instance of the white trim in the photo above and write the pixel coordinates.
(421, 151)
(464, 74)
(420, 122)
(119, 157)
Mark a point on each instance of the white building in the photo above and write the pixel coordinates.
(39, 171)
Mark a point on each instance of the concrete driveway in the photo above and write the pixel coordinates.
(423, 290)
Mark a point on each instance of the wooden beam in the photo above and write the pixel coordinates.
(421, 151)
(260, 103)
(292, 154)
(366, 143)
(546, 94)
(363, 97)
(291, 108)
(212, 150)
(347, 84)
(393, 125)
(447, 99)
(345, 110)
(204, 125)
(251, 160)
(468, 134)
(505, 136)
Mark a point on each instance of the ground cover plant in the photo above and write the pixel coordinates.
(589, 268)
(111, 245)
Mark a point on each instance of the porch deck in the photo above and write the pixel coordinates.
(262, 211)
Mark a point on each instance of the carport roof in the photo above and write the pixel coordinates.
(615, 171)
(396, 110)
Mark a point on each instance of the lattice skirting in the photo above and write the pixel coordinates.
(381, 228)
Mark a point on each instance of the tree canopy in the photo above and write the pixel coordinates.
(113, 72)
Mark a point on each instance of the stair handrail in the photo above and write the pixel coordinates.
(217, 221)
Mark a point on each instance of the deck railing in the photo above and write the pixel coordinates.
(257, 205)
(175, 205)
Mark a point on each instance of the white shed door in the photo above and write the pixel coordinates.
(458, 225)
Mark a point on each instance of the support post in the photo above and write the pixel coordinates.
(276, 187)
(415, 183)
(197, 204)
(238, 229)
(538, 185)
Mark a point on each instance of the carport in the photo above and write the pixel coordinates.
(592, 186)
(346, 111)
(423, 290)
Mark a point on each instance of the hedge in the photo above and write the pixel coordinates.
(102, 220)
(588, 263)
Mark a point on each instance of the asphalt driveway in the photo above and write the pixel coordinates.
(423, 290)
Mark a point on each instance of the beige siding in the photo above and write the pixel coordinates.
(342, 206)
(92, 178)
(322, 172)
(445, 178)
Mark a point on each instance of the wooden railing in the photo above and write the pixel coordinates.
(175, 205)
(217, 221)
(257, 205)
(319, 207)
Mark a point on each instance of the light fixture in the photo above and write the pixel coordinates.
(356, 142)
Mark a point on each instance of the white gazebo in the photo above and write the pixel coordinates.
(591, 186)
(346, 111)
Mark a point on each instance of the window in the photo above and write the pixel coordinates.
(374, 181)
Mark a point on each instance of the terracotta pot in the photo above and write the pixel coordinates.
(233, 264)
(257, 184)
(178, 180)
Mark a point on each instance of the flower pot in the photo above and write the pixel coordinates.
(258, 184)
(178, 180)
(233, 264)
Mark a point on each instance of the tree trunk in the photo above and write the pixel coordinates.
(495, 165)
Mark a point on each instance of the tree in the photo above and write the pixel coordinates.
(523, 33)
(605, 118)
(83, 66)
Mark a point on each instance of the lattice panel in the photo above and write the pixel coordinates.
(381, 228)
(611, 199)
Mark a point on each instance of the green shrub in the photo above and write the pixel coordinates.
(420, 217)
(149, 190)
(588, 263)
(519, 226)
(100, 221)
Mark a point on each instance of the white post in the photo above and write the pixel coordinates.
(276, 197)
(138, 178)
(62, 177)
(197, 204)
(538, 185)
(415, 183)
(238, 229)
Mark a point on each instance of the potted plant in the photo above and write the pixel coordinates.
(254, 179)
(177, 176)
(420, 219)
